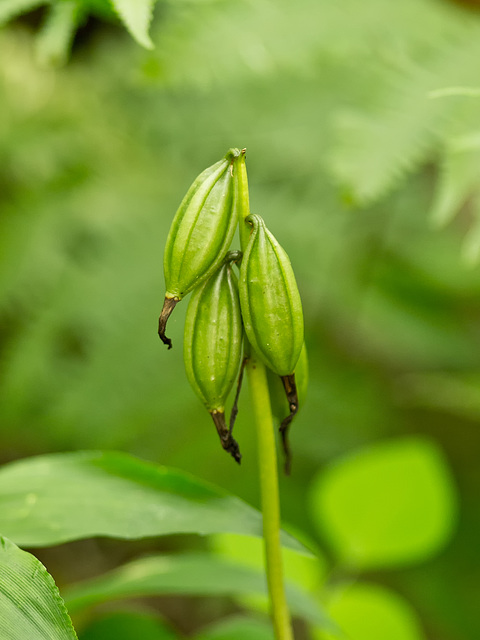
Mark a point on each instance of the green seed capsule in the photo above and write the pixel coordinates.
(200, 235)
(271, 306)
(272, 313)
(213, 345)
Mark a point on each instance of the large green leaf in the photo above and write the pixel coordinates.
(187, 574)
(30, 605)
(127, 625)
(391, 504)
(307, 572)
(369, 612)
(238, 629)
(51, 499)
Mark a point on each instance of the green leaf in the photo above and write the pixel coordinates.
(187, 574)
(127, 625)
(368, 612)
(238, 629)
(51, 499)
(391, 504)
(12, 8)
(136, 15)
(305, 571)
(54, 40)
(30, 605)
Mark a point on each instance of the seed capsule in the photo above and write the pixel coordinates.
(271, 306)
(200, 235)
(213, 345)
(272, 313)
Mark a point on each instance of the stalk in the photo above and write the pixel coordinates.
(267, 457)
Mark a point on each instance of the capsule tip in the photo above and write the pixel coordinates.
(169, 305)
(228, 442)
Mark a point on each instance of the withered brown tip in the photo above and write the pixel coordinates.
(169, 305)
(292, 397)
(228, 442)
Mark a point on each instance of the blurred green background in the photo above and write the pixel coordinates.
(361, 121)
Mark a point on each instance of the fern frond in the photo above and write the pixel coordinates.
(136, 16)
(54, 40)
(10, 9)
(459, 179)
(376, 150)
(202, 43)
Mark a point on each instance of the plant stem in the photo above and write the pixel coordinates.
(267, 457)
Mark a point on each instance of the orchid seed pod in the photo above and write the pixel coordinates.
(272, 313)
(213, 345)
(270, 301)
(200, 235)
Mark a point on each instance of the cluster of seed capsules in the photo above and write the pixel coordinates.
(228, 318)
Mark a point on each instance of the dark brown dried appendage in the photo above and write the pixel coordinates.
(234, 413)
(228, 443)
(292, 397)
(169, 305)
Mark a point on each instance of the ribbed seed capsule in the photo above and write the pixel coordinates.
(271, 306)
(200, 235)
(272, 312)
(213, 345)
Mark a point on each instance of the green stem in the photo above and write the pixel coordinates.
(267, 457)
(257, 378)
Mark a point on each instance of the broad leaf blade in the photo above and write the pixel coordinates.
(30, 605)
(370, 612)
(136, 15)
(128, 625)
(389, 505)
(307, 572)
(52, 499)
(238, 629)
(186, 574)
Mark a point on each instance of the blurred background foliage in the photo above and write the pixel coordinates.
(361, 121)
